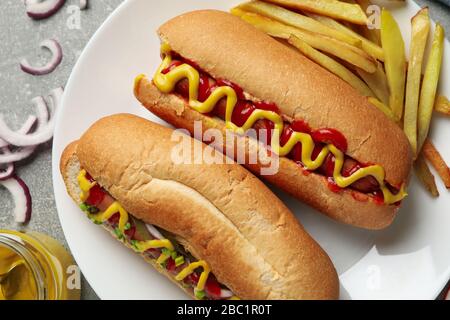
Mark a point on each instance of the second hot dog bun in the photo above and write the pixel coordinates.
(225, 215)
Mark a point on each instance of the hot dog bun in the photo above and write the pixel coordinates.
(226, 47)
(312, 188)
(226, 216)
(69, 168)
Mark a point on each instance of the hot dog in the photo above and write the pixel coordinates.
(337, 152)
(214, 230)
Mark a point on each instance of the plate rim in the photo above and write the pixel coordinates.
(59, 114)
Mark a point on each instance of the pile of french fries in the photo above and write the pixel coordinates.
(344, 38)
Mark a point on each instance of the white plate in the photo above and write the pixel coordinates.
(411, 259)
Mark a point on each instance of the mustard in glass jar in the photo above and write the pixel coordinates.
(34, 266)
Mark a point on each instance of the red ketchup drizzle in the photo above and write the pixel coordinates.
(192, 279)
(191, 63)
(316, 151)
(176, 56)
(171, 266)
(328, 170)
(332, 185)
(268, 126)
(242, 112)
(360, 196)
(234, 86)
(204, 88)
(304, 171)
(88, 176)
(212, 287)
(286, 134)
(114, 219)
(332, 136)
(300, 126)
(328, 165)
(263, 105)
(378, 197)
(244, 109)
(96, 195)
(296, 152)
(172, 65)
(347, 172)
(131, 232)
(153, 252)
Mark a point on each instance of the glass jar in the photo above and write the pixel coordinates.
(34, 266)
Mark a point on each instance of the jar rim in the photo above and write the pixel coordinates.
(17, 245)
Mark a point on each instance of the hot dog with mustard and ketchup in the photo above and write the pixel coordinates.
(338, 153)
(215, 230)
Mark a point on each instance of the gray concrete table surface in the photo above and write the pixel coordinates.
(20, 37)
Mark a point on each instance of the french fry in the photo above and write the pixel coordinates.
(331, 65)
(237, 12)
(425, 176)
(331, 8)
(269, 26)
(420, 27)
(433, 156)
(380, 105)
(342, 50)
(377, 82)
(372, 35)
(442, 105)
(296, 20)
(394, 62)
(429, 84)
(368, 46)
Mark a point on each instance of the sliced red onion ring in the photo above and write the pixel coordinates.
(7, 172)
(56, 95)
(83, 4)
(8, 169)
(44, 133)
(26, 128)
(28, 142)
(22, 198)
(41, 10)
(18, 155)
(21, 140)
(28, 2)
(25, 152)
(57, 55)
(154, 232)
(42, 112)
